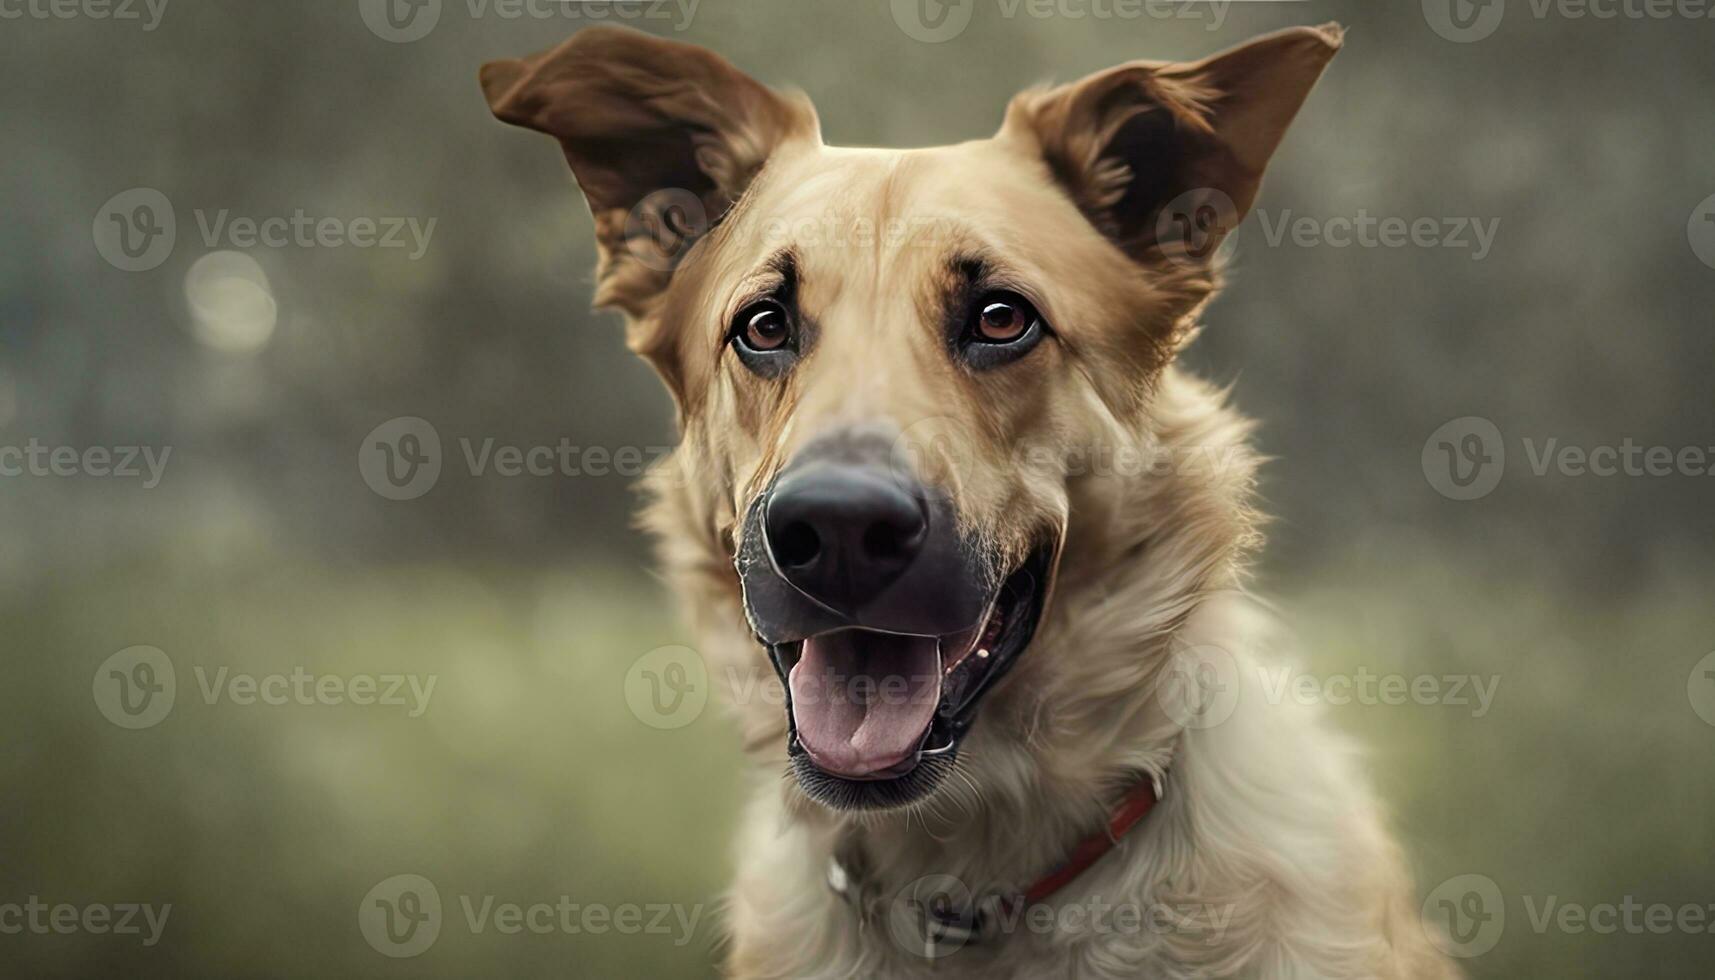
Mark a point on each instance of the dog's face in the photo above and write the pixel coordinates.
(883, 360)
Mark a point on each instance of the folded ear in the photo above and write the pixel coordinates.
(1166, 158)
(662, 137)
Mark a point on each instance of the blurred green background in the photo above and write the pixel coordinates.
(529, 777)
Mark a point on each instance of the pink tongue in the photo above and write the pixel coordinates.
(863, 701)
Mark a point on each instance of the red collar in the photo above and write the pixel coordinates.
(1126, 814)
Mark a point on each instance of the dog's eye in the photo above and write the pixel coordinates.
(763, 327)
(1002, 319)
(763, 337)
(1001, 326)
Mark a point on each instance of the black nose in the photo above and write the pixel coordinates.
(840, 532)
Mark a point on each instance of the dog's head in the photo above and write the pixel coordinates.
(881, 358)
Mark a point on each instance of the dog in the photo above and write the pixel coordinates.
(969, 547)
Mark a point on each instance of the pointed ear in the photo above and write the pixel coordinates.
(662, 137)
(1129, 142)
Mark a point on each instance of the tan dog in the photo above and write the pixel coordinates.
(968, 545)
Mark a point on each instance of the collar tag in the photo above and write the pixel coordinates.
(945, 935)
(934, 917)
(937, 923)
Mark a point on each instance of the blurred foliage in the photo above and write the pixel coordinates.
(528, 778)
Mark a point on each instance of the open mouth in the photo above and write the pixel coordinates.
(876, 717)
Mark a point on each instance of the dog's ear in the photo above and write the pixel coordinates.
(661, 136)
(1166, 158)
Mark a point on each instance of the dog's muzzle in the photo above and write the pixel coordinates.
(885, 621)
